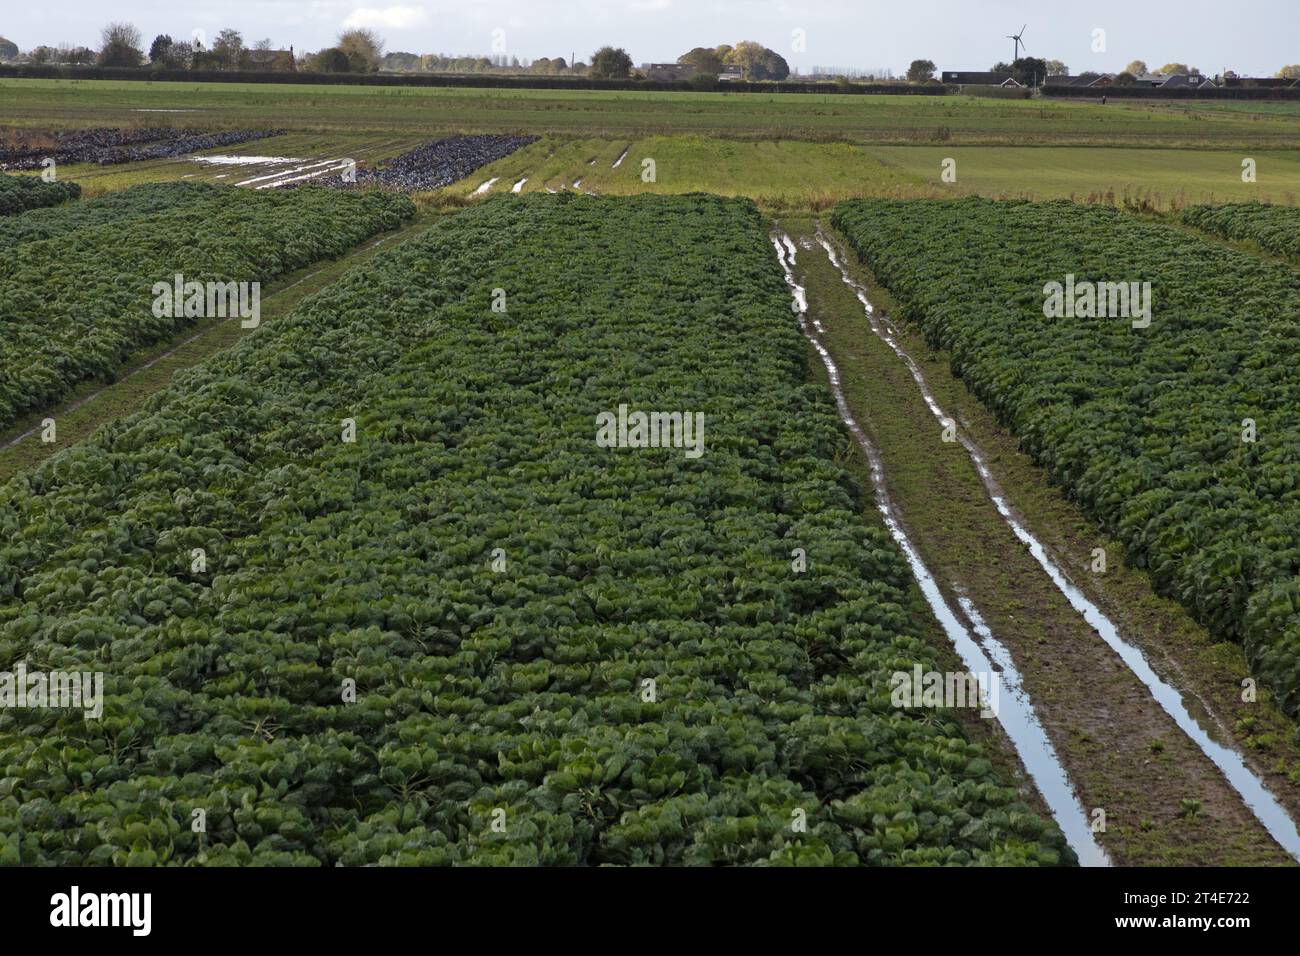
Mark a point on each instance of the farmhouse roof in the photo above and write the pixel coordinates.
(1186, 81)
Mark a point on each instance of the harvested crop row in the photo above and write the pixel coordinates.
(439, 163)
(116, 208)
(1275, 228)
(74, 307)
(561, 653)
(109, 147)
(1145, 427)
(21, 193)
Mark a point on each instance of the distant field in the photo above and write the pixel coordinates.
(866, 119)
(1166, 177)
(784, 150)
(362, 147)
(786, 173)
(781, 174)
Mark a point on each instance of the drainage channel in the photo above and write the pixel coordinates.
(985, 655)
(1257, 797)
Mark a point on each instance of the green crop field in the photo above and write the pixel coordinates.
(625, 478)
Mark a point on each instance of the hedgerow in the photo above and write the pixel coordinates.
(498, 587)
(1275, 228)
(77, 305)
(20, 193)
(1145, 427)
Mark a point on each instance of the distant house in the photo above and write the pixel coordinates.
(1086, 80)
(732, 74)
(269, 61)
(961, 78)
(1266, 82)
(1150, 81)
(1187, 81)
(668, 71)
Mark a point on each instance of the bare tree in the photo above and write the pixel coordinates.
(120, 45)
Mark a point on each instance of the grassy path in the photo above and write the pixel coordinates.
(1165, 803)
(97, 403)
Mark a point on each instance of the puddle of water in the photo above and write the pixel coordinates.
(577, 184)
(247, 160)
(518, 187)
(1249, 787)
(280, 174)
(486, 186)
(280, 181)
(619, 162)
(1016, 713)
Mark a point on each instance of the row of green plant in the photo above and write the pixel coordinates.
(20, 193)
(1181, 438)
(77, 305)
(115, 208)
(472, 634)
(1275, 228)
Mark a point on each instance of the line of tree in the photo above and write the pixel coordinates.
(362, 51)
(403, 62)
(121, 45)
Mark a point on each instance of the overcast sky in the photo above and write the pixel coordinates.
(1249, 36)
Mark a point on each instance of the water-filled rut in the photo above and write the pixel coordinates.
(979, 650)
(1261, 803)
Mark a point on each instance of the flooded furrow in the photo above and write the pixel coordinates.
(1015, 712)
(1257, 797)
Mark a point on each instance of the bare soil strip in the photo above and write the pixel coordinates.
(1164, 801)
(1257, 796)
(977, 647)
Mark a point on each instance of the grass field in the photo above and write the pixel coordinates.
(1165, 177)
(784, 173)
(864, 119)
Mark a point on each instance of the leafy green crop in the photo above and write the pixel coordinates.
(1143, 427)
(1275, 228)
(115, 208)
(75, 306)
(20, 193)
(517, 688)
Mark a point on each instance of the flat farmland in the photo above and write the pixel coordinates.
(394, 560)
(863, 119)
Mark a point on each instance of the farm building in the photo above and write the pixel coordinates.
(975, 78)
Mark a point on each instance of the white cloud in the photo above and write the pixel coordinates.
(393, 18)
